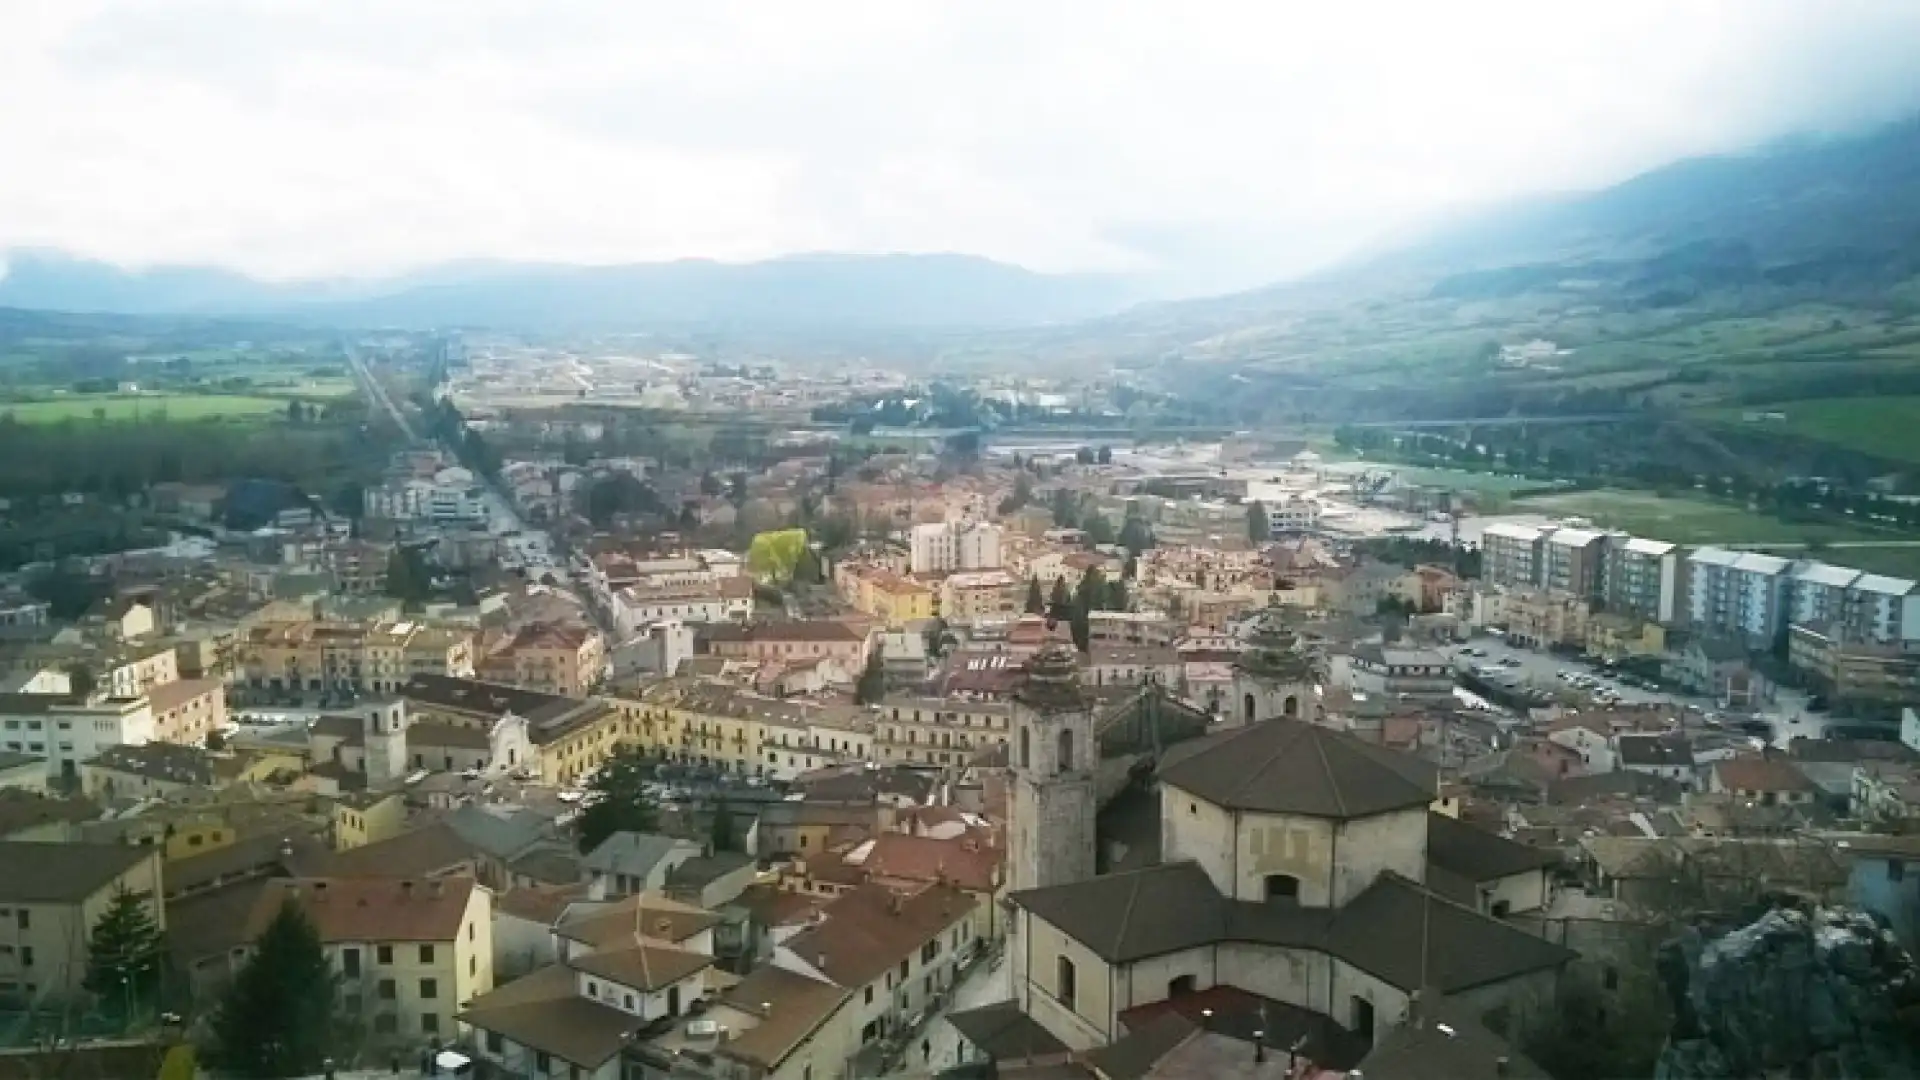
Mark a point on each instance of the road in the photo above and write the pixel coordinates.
(940, 1048)
(378, 394)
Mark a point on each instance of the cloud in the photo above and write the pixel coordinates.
(324, 137)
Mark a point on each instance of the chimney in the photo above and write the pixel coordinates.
(1500, 1066)
(893, 902)
(319, 890)
(406, 890)
(1206, 1019)
(434, 888)
(820, 962)
(286, 847)
(1259, 1046)
(663, 926)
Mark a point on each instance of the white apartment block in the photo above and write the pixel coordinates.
(1511, 555)
(1819, 592)
(453, 495)
(1573, 559)
(1885, 610)
(65, 734)
(1295, 513)
(1642, 578)
(953, 546)
(1738, 594)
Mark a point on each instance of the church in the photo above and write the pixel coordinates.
(1295, 878)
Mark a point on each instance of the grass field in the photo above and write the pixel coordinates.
(133, 406)
(1461, 480)
(1690, 520)
(1887, 427)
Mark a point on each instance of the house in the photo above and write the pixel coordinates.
(1485, 871)
(1766, 779)
(1669, 757)
(1721, 668)
(51, 897)
(1885, 792)
(410, 953)
(631, 862)
(893, 951)
(1885, 879)
(1297, 865)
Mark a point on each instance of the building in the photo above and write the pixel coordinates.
(894, 600)
(713, 599)
(66, 730)
(1862, 674)
(972, 597)
(951, 547)
(630, 863)
(1051, 792)
(1668, 757)
(371, 659)
(938, 731)
(1297, 869)
(1574, 561)
(1541, 618)
(410, 953)
(1297, 513)
(1393, 673)
(558, 739)
(780, 642)
(189, 710)
(453, 496)
(1512, 555)
(1133, 665)
(53, 894)
(558, 658)
(1643, 578)
(1764, 779)
(1738, 594)
(1817, 592)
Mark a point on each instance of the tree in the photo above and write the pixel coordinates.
(1036, 604)
(1259, 528)
(296, 412)
(1099, 531)
(737, 489)
(408, 579)
(1117, 599)
(1135, 535)
(1087, 599)
(616, 800)
(873, 680)
(1105, 455)
(722, 836)
(124, 955)
(1084, 455)
(773, 556)
(1060, 601)
(277, 1018)
(710, 485)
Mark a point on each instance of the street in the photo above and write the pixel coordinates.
(984, 985)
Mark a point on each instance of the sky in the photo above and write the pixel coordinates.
(1215, 143)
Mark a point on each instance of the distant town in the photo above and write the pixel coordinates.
(596, 710)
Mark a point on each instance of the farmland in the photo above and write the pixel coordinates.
(1691, 519)
(1885, 427)
(114, 408)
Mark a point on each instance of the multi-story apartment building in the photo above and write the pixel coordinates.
(134, 669)
(889, 597)
(189, 710)
(1642, 578)
(1738, 594)
(67, 730)
(378, 658)
(1573, 561)
(1853, 670)
(410, 953)
(1884, 610)
(452, 496)
(19, 609)
(1817, 592)
(1511, 555)
(720, 600)
(1294, 514)
(984, 595)
(51, 898)
(938, 731)
(557, 658)
(949, 547)
(783, 641)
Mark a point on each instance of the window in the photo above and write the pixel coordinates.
(673, 1001)
(1026, 748)
(869, 1000)
(1248, 703)
(1065, 762)
(904, 969)
(629, 1002)
(1063, 976)
(495, 1044)
(1284, 887)
(473, 965)
(1610, 979)
(386, 990)
(350, 963)
(1501, 908)
(386, 1023)
(1896, 870)
(426, 954)
(26, 956)
(1360, 1013)
(470, 931)
(383, 953)
(25, 919)
(1180, 986)
(542, 1061)
(429, 1023)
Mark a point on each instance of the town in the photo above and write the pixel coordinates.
(646, 717)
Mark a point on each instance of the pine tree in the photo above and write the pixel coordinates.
(124, 955)
(616, 800)
(1036, 604)
(1060, 602)
(1259, 528)
(722, 836)
(277, 1017)
(873, 680)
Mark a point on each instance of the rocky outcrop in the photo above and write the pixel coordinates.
(1812, 992)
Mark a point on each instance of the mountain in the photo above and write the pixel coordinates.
(802, 291)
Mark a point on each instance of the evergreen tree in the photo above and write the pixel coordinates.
(1259, 528)
(1087, 599)
(1036, 604)
(873, 680)
(124, 955)
(1060, 602)
(615, 800)
(1117, 599)
(722, 836)
(277, 1018)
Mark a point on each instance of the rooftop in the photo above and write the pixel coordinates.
(872, 928)
(1291, 767)
(63, 873)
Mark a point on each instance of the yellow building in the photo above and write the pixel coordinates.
(971, 597)
(54, 895)
(368, 817)
(893, 599)
(566, 737)
(186, 711)
(1618, 636)
(410, 953)
(560, 659)
(379, 658)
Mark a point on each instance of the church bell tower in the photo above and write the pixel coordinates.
(1053, 758)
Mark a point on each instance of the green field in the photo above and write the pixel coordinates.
(1887, 427)
(113, 407)
(1462, 480)
(1688, 519)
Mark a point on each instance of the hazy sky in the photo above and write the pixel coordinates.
(313, 137)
